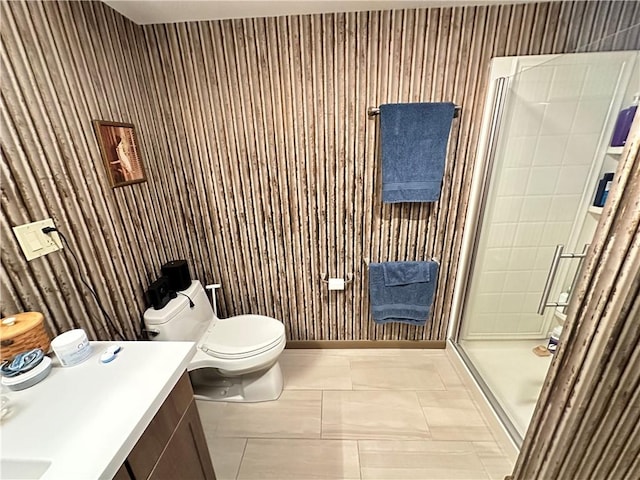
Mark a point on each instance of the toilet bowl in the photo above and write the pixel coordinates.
(236, 359)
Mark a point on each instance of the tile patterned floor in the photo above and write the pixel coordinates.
(358, 414)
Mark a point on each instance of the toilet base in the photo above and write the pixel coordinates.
(262, 386)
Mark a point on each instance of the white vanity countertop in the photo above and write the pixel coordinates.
(86, 419)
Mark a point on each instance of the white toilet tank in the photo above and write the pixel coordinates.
(177, 321)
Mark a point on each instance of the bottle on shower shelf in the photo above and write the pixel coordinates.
(623, 123)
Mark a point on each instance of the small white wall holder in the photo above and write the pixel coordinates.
(336, 283)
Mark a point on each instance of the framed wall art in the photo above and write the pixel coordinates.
(120, 153)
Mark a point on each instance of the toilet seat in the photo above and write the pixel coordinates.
(242, 336)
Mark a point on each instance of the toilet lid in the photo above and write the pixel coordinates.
(242, 336)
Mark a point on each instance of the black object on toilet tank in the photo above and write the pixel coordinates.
(159, 293)
(177, 272)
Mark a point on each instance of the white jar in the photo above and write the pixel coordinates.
(71, 347)
(554, 338)
(562, 298)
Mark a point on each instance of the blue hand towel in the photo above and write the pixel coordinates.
(414, 148)
(402, 302)
(405, 273)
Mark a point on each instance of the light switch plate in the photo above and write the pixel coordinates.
(33, 242)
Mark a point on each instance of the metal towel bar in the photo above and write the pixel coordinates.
(373, 111)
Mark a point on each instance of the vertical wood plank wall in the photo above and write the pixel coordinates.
(262, 164)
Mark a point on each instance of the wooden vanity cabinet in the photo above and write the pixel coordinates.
(173, 446)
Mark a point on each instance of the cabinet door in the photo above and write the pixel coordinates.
(144, 456)
(186, 454)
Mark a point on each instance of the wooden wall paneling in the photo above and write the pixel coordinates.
(37, 180)
(224, 267)
(263, 166)
(250, 70)
(202, 173)
(369, 160)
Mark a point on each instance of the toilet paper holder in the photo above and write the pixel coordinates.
(325, 278)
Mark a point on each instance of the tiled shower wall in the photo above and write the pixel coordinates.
(559, 114)
(261, 162)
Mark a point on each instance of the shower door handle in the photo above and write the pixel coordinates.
(557, 256)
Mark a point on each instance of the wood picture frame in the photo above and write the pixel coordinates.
(120, 153)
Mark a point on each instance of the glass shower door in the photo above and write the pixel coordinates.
(549, 154)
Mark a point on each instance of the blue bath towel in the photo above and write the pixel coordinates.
(407, 297)
(414, 148)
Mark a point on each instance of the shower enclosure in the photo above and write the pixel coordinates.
(544, 147)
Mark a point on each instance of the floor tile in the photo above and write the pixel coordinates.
(285, 459)
(448, 374)
(494, 460)
(373, 415)
(452, 415)
(296, 414)
(226, 454)
(314, 372)
(210, 414)
(392, 374)
(419, 460)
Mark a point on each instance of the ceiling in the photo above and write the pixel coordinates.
(172, 11)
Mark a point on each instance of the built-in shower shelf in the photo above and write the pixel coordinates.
(559, 315)
(595, 210)
(614, 150)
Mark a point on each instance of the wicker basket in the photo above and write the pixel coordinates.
(26, 333)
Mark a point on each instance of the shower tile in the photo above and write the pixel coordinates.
(555, 233)
(501, 234)
(558, 117)
(599, 82)
(529, 234)
(590, 116)
(580, 150)
(542, 180)
(512, 182)
(486, 302)
(372, 415)
(538, 277)
(527, 118)
(419, 460)
(492, 282)
(296, 414)
(386, 374)
(535, 209)
(567, 82)
(531, 324)
(531, 301)
(519, 151)
(511, 302)
(507, 209)
(505, 322)
(522, 258)
(517, 281)
(286, 459)
(571, 180)
(496, 259)
(550, 150)
(563, 208)
(543, 258)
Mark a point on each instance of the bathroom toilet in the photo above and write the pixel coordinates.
(236, 358)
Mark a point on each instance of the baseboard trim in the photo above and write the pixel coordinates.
(310, 344)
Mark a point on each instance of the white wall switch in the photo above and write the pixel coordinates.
(33, 242)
